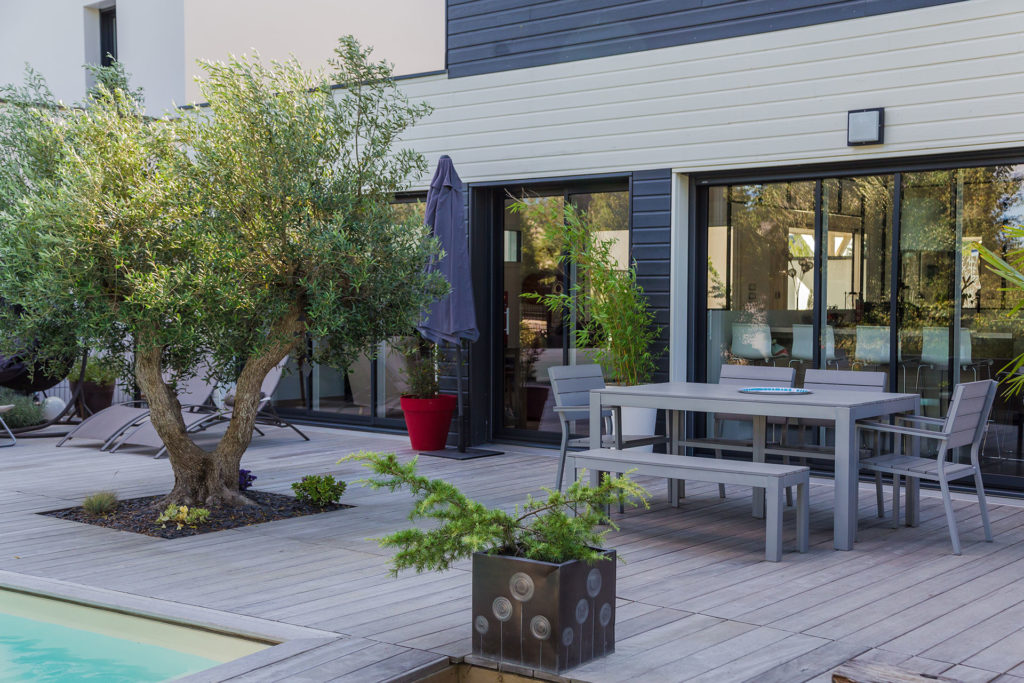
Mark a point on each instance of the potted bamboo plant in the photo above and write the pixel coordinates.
(614, 322)
(428, 413)
(543, 587)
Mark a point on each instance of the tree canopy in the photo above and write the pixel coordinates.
(228, 236)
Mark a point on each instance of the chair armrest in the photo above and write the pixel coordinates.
(933, 421)
(896, 429)
(582, 410)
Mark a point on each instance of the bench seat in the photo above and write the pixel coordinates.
(768, 476)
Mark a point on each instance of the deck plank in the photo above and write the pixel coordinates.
(696, 601)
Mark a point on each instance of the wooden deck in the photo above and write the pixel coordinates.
(696, 601)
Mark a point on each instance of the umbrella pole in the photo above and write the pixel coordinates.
(458, 382)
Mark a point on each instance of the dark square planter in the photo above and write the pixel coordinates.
(543, 615)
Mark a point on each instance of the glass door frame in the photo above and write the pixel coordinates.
(563, 187)
(697, 242)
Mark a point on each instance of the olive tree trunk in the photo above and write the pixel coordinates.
(201, 477)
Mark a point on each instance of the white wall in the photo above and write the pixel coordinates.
(408, 33)
(49, 36)
(159, 40)
(151, 45)
(951, 78)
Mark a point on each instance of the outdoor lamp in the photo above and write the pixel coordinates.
(865, 127)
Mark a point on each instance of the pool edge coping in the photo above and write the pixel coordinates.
(284, 640)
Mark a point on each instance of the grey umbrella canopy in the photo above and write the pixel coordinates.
(452, 318)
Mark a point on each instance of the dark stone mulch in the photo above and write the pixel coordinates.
(139, 515)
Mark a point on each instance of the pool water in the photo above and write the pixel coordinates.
(37, 651)
(51, 640)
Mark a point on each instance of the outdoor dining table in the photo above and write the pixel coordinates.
(844, 407)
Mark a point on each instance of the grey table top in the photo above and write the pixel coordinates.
(732, 393)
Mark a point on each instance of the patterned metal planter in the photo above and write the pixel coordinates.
(543, 615)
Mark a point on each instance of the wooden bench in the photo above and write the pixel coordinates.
(772, 478)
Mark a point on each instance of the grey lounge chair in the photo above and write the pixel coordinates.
(145, 435)
(964, 425)
(571, 386)
(110, 424)
(10, 434)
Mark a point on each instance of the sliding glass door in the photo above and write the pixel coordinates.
(873, 273)
(533, 338)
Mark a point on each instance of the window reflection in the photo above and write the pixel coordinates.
(955, 320)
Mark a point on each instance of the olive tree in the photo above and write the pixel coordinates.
(225, 238)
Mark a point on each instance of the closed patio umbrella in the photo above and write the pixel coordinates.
(453, 318)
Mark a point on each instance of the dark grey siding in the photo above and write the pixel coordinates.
(650, 215)
(498, 35)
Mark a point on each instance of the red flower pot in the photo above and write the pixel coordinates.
(428, 420)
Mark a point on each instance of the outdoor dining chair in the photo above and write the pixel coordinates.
(935, 352)
(10, 434)
(964, 425)
(571, 386)
(752, 341)
(746, 376)
(803, 345)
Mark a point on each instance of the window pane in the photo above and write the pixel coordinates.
(990, 335)
(760, 273)
(857, 224)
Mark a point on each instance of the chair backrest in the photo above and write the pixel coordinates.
(757, 375)
(844, 380)
(751, 341)
(935, 346)
(968, 413)
(571, 384)
(872, 344)
(270, 382)
(803, 342)
(197, 389)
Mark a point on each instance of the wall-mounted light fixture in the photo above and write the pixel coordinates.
(865, 127)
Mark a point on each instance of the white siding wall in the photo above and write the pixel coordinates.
(950, 77)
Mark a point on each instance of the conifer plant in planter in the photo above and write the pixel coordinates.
(428, 413)
(543, 588)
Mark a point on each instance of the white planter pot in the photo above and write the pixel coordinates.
(639, 421)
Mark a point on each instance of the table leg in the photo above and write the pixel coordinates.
(913, 483)
(595, 420)
(845, 505)
(758, 444)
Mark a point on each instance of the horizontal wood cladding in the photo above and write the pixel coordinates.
(650, 218)
(951, 79)
(486, 36)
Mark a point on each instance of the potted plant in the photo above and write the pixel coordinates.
(543, 590)
(614, 322)
(428, 413)
(97, 386)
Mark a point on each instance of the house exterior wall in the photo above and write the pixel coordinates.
(949, 76)
(159, 42)
(499, 35)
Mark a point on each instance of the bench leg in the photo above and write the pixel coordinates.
(803, 517)
(673, 492)
(773, 525)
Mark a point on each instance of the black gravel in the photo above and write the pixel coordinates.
(138, 515)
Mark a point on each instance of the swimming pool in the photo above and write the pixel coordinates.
(51, 640)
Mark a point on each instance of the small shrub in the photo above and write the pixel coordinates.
(101, 503)
(26, 412)
(245, 479)
(319, 490)
(183, 516)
